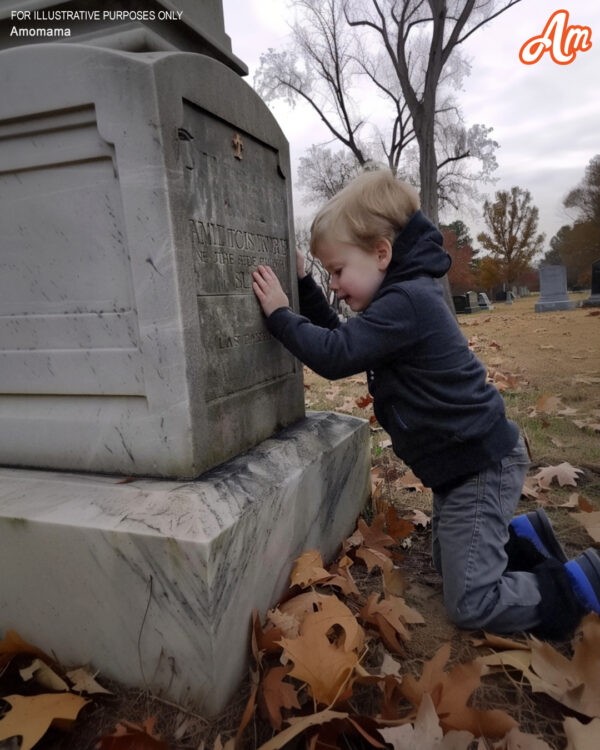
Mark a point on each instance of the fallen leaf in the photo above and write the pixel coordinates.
(397, 528)
(451, 691)
(517, 740)
(326, 669)
(308, 569)
(32, 716)
(499, 642)
(85, 682)
(581, 736)
(13, 644)
(373, 558)
(578, 501)
(264, 640)
(394, 582)
(410, 481)
(342, 577)
(420, 519)
(299, 725)
(530, 489)
(274, 694)
(549, 403)
(301, 605)
(44, 676)
(390, 616)
(564, 473)
(426, 733)
(334, 613)
(591, 522)
(363, 402)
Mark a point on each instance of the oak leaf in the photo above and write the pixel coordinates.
(274, 694)
(363, 402)
(398, 528)
(44, 676)
(301, 605)
(581, 736)
(326, 669)
(13, 644)
(299, 725)
(390, 616)
(341, 577)
(333, 613)
(308, 569)
(591, 522)
(564, 473)
(426, 733)
(549, 404)
(577, 500)
(32, 716)
(85, 682)
(450, 692)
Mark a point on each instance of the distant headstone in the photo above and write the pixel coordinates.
(137, 199)
(151, 26)
(524, 291)
(553, 290)
(473, 301)
(501, 296)
(484, 301)
(509, 298)
(594, 299)
(461, 304)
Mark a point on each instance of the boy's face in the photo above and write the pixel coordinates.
(356, 274)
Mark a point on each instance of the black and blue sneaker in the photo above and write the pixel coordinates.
(584, 576)
(531, 541)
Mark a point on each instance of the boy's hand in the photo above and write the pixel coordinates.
(300, 259)
(267, 288)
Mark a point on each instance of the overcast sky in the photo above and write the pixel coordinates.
(546, 117)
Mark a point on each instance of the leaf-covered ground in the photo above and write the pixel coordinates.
(362, 653)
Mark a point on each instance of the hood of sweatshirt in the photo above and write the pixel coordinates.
(417, 251)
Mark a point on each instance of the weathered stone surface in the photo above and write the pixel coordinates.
(154, 25)
(553, 290)
(90, 566)
(137, 193)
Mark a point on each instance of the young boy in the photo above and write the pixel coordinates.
(430, 393)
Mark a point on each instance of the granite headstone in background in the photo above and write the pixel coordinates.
(594, 299)
(461, 304)
(135, 201)
(553, 290)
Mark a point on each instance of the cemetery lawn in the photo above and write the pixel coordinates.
(547, 365)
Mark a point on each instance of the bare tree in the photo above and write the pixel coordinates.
(322, 174)
(420, 37)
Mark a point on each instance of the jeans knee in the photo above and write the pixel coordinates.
(461, 615)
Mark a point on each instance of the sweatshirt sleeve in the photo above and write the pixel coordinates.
(383, 331)
(314, 305)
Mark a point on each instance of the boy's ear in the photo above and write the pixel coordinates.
(383, 251)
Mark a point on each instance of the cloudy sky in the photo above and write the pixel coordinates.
(546, 117)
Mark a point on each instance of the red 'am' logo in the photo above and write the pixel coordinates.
(562, 41)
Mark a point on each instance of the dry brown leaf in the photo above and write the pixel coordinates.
(334, 613)
(326, 669)
(44, 676)
(564, 473)
(517, 740)
(363, 402)
(426, 733)
(263, 641)
(578, 501)
(308, 569)
(410, 480)
(13, 644)
(530, 489)
(299, 606)
(374, 558)
(419, 518)
(342, 577)
(129, 736)
(499, 642)
(394, 582)
(451, 691)
(549, 403)
(374, 535)
(390, 616)
(575, 683)
(591, 522)
(581, 736)
(84, 681)
(398, 528)
(274, 694)
(32, 716)
(285, 624)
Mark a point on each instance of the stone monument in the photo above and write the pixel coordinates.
(594, 299)
(138, 191)
(553, 290)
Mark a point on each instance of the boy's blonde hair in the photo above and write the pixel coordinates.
(374, 205)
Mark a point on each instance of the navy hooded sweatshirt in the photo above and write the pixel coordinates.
(429, 389)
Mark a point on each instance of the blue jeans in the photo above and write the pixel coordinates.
(470, 529)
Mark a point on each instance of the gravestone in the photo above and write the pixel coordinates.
(472, 301)
(509, 298)
(461, 304)
(130, 338)
(501, 296)
(484, 301)
(553, 290)
(594, 299)
(138, 191)
(151, 26)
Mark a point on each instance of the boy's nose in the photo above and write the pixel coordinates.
(333, 285)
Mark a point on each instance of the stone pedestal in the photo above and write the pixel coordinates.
(167, 573)
(137, 194)
(553, 290)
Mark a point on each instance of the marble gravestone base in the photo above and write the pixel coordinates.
(153, 582)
